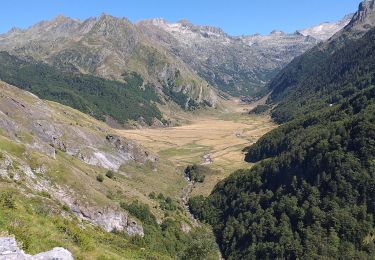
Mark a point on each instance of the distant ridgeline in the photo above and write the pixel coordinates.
(92, 95)
(312, 192)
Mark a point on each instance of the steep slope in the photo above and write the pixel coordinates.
(67, 180)
(311, 193)
(235, 65)
(312, 198)
(109, 47)
(329, 72)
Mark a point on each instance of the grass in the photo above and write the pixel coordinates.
(36, 226)
(222, 136)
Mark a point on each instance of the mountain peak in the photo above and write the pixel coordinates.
(364, 18)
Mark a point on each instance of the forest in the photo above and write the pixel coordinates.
(325, 75)
(311, 193)
(92, 95)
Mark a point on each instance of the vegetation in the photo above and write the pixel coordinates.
(197, 173)
(92, 95)
(312, 192)
(110, 174)
(324, 76)
(169, 238)
(100, 178)
(260, 109)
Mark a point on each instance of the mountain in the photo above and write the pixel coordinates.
(311, 193)
(109, 47)
(177, 59)
(235, 65)
(107, 100)
(324, 75)
(324, 31)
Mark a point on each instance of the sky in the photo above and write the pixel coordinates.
(236, 17)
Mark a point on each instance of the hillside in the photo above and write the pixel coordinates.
(311, 193)
(98, 97)
(313, 196)
(329, 72)
(68, 180)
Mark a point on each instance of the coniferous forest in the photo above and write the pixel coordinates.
(312, 192)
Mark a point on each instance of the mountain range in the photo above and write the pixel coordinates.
(181, 57)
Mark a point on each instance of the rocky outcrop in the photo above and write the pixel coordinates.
(364, 18)
(9, 250)
(109, 219)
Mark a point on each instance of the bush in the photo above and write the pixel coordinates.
(197, 173)
(7, 200)
(100, 178)
(140, 211)
(260, 109)
(110, 174)
(152, 195)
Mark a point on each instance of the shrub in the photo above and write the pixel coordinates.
(140, 211)
(7, 200)
(197, 173)
(260, 109)
(152, 195)
(110, 174)
(100, 178)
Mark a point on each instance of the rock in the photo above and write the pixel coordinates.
(156, 123)
(109, 219)
(364, 18)
(9, 250)
(130, 149)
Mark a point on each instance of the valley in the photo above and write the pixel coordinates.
(150, 139)
(215, 140)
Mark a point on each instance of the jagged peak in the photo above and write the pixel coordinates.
(364, 18)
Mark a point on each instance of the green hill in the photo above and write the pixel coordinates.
(92, 95)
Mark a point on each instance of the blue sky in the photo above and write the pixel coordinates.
(236, 17)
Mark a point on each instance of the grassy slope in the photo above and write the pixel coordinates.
(40, 218)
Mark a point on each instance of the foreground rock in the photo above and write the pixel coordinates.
(9, 250)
